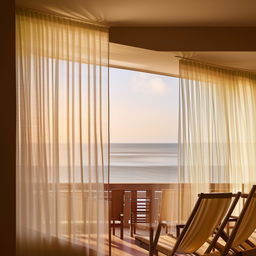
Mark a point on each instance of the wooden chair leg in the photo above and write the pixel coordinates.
(114, 230)
(151, 238)
(131, 224)
(122, 226)
(177, 231)
(131, 229)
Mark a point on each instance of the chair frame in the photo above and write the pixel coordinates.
(190, 219)
(232, 236)
(135, 211)
(120, 216)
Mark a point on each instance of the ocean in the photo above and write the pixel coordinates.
(129, 163)
(143, 162)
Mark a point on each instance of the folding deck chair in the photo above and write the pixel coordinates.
(166, 216)
(209, 212)
(238, 242)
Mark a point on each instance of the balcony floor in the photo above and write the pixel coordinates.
(126, 247)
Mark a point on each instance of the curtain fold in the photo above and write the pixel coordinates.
(62, 135)
(217, 131)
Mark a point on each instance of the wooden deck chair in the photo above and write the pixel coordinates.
(169, 201)
(117, 210)
(243, 229)
(206, 216)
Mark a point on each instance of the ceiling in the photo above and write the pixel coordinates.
(175, 13)
(167, 63)
(153, 12)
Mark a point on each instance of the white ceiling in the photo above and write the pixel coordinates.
(167, 63)
(153, 12)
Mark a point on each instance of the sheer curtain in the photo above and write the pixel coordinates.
(62, 135)
(217, 124)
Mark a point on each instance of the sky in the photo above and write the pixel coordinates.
(143, 107)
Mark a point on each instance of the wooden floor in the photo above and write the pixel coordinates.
(119, 247)
(126, 247)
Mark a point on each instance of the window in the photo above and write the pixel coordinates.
(144, 127)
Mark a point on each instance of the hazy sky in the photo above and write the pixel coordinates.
(144, 107)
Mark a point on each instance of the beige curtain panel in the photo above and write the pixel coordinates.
(62, 135)
(217, 123)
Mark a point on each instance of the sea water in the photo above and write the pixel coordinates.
(129, 163)
(143, 163)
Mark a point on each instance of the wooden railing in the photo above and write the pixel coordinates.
(139, 203)
(142, 200)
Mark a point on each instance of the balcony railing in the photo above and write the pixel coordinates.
(141, 202)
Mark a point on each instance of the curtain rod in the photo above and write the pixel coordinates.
(77, 20)
(217, 65)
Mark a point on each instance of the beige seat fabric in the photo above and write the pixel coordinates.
(209, 215)
(248, 224)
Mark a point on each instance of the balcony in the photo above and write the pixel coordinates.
(136, 207)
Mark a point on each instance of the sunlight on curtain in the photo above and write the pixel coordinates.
(217, 124)
(62, 133)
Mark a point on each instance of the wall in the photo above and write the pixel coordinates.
(7, 128)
